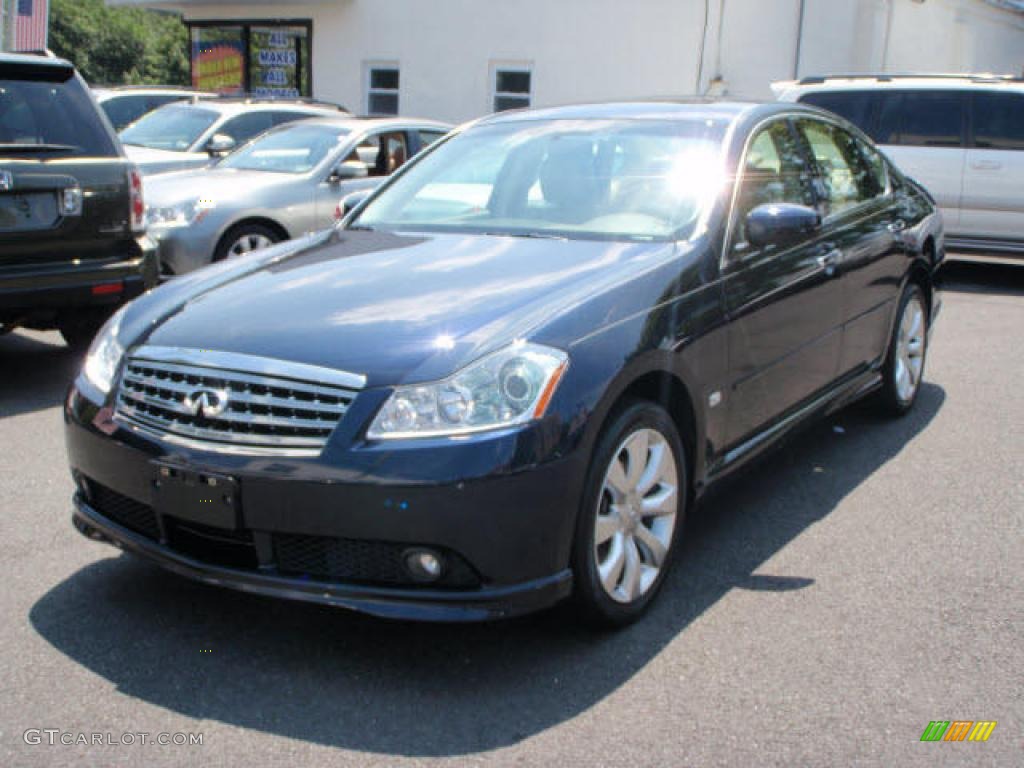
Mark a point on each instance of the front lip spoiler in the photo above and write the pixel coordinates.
(414, 605)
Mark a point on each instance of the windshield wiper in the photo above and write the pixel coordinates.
(31, 148)
(360, 228)
(532, 235)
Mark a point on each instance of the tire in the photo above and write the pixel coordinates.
(245, 238)
(81, 328)
(631, 534)
(905, 359)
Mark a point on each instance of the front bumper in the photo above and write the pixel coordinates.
(509, 526)
(184, 249)
(409, 604)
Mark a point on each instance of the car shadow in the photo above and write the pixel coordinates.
(340, 679)
(35, 371)
(983, 278)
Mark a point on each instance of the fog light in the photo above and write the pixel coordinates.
(424, 565)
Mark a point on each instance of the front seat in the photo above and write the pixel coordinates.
(570, 182)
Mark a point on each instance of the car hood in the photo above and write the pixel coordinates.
(395, 308)
(218, 184)
(162, 160)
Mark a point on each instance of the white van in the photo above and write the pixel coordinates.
(961, 136)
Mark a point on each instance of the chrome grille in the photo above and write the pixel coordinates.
(251, 404)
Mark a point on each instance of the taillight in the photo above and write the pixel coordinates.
(138, 206)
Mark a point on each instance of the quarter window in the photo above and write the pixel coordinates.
(774, 171)
(999, 121)
(513, 88)
(855, 106)
(244, 127)
(382, 89)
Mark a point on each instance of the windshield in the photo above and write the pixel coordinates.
(607, 179)
(50, 118)
(294, 149)
(176, 127)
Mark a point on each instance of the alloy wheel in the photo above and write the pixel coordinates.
(636, 515)
(249, 242)
(910, 346)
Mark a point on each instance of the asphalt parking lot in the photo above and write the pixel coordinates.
(854, 586)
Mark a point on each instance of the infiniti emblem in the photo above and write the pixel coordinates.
(207, 403)
(6, 181)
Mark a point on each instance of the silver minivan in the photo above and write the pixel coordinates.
(960, 136)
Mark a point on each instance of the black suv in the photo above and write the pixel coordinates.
(72, 245)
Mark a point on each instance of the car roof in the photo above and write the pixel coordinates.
(818, 83)
(355, 124)
(123, 90)
(231, 107)
(37, 62)
(730, 111)
(655, 109)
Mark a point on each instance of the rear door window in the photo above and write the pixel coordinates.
(921, 119)
(999, 121)
(56, 117)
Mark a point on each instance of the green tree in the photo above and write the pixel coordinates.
(114, 46)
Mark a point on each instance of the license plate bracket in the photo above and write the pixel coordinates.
(198, 496)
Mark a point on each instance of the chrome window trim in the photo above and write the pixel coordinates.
(725, 262)
(242, 363)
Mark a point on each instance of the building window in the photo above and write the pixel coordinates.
(382, 84)
(513, 88)
(263, 59)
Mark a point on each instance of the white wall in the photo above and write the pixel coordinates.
(579, 49)
(602, 49)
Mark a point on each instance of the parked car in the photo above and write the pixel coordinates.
(286, 182)
(962, 137)
(452, 410)
(71, 208)
(182, 136)
(124, 104)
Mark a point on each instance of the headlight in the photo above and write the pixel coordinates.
(105, 354)
(509, 387)
(180, 215)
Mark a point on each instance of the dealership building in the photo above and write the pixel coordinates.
(456, 59)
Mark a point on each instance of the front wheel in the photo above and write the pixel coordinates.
(633, 510)
(245, 238)
(904, 363)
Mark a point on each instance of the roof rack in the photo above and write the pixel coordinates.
(246, 99)
(985, 77)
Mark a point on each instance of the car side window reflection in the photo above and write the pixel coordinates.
(382, 153)
(774, 171)
(844, 176)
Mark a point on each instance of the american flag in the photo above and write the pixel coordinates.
(31, 18)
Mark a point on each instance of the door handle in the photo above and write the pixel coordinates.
(986, 165)
(897, 226)
(830, 261)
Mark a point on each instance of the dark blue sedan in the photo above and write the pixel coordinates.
(509, 373)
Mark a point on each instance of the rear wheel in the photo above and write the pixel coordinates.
(245, 238)
(904, 364)
(633, 510)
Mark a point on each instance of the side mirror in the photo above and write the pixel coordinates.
(350, 169)
(780, 224)
(350, 202)
(220, 144)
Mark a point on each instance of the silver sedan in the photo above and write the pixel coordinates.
(288, 182)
